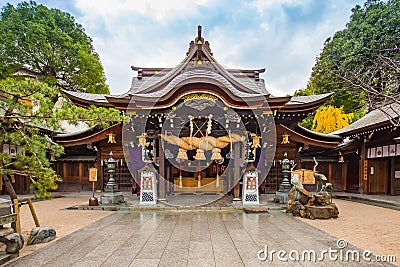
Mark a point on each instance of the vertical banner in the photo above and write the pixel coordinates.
(385, 152)
(6, 148)
(398, 150)
(13, 150)
(373, 152)
(392, 150)
(379, 152)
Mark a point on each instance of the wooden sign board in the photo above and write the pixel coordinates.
(365, 168)
(308, 177)
(304, 176)
(93, 174)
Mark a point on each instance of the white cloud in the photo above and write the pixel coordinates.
(160, 10)
(264, 26)
(284, 36)
(263, 4)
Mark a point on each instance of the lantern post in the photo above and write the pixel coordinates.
(281, 195)
(111, 194)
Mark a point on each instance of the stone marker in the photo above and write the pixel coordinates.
(42, 234)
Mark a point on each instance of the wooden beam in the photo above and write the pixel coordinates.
(18, 221)
(33, 212)
(161, 175)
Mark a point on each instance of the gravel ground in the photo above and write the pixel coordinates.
(54, 213)
(365, 226)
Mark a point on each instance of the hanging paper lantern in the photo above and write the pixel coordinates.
(285, 139)
(182, 154)
(256, 142)
(142, 140)
(216, 154)
(200, 154)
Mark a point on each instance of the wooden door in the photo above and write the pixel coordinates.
(378, 174)
(353, 175)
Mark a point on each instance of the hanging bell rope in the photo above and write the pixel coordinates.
(216, 154)
(200, 154)
(182, 155)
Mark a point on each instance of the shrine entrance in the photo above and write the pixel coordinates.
(199, 152)
(200, 176)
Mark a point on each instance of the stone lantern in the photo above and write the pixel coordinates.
(281, 195)
(111, 193)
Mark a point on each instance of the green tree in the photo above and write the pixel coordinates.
(51, 45)
(360, 63)
(27, 127)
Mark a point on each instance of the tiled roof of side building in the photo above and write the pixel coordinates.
(372, 118)
(299, 100)
(96, 98)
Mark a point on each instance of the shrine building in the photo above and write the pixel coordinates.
(198, 126)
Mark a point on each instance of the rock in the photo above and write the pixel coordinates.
(323, 212)
(297, 195)
(303, 196)
(14, 242)
(256, 209)
(296, 208)
(322, 199)
(42, 234)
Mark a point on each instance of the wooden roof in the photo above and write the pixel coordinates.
(374, 120)
(303, 135)
(159, 88)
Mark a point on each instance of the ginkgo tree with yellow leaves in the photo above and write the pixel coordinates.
(330, 118)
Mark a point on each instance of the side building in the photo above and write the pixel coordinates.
(372, 150)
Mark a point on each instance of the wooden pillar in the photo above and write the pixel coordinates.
(161, 175)
(65, 175)
(80, 173)
(228, 185)
(344, 176)
(330, 172)
(169, 182)
(236, 170)
(363, 168)
(391, 175)
(99, 183)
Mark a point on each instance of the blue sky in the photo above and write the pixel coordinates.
(283, 36)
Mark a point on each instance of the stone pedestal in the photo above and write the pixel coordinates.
(111, 195)
(281, 196)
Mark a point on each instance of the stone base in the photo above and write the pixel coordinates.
(13, 241)
(323, 212)
(4, 257)
(256, 209)
(112, 198)
(281, 197)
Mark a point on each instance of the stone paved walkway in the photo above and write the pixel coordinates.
(165, 238)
